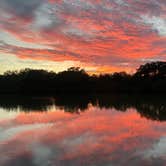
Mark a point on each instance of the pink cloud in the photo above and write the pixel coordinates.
(101, 33)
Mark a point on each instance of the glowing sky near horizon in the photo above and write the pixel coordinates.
(99, 35)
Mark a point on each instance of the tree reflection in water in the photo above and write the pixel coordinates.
(153, 108)
(98, 130)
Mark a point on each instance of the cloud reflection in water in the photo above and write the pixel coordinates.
(98, 136)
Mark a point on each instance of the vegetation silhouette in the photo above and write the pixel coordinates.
(26, 103)
(149, 78)
(148, 106)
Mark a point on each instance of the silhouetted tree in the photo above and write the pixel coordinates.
(150, 77)
(152, 69)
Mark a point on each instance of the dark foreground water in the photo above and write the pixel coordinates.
(98, 130)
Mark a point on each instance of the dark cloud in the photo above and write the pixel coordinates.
(20, 8)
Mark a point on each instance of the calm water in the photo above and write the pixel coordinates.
(83, 131)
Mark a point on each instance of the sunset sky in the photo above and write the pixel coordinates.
(101, 36)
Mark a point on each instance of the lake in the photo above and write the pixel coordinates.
(87, 130)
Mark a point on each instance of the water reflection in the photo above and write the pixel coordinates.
(150, 107)
(83, 131)
(25, 103)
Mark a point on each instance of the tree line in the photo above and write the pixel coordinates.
(148, 78)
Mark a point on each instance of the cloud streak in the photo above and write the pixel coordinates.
(104, 33)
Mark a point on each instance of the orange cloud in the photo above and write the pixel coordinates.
(99, 33)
